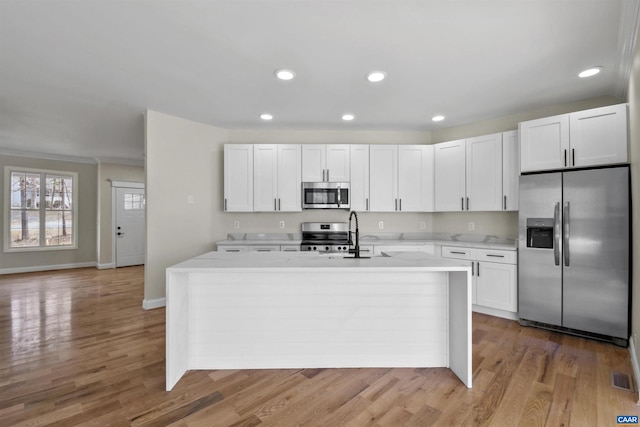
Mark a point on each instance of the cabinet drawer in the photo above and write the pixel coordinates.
(290, 248)
(457, 252)
(502, 257)
(232, 248)
(267, 248)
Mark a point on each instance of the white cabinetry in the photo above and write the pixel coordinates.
(427, 248)
(584, 138)
(495, 284)
(359, 178)
(484, 173)
(238, 177)
(402, 178)
(450, 175)
(325, 163)
(232, 248)
(277, 178)
(510, 170)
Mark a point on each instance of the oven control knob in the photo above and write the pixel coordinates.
(314, 248)
(309, 248)
(326, 248)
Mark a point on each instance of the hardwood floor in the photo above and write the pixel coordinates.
(76, 348)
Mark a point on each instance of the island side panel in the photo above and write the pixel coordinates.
(301, 318)
(460, 340)
(177, 326)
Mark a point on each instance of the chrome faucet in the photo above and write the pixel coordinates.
(356, 249)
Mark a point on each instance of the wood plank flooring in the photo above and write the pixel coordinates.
(77, 349)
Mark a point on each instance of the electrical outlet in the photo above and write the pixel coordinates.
(380, 225)
(422, 225)
(472, 226)
(281, 224)
(236, 224)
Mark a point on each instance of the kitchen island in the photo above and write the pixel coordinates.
(304, 310)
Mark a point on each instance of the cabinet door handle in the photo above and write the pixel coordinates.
(225, 204)
(367, 203)
(467, 203)
(478, 268)
(495, 256)
(505, 203)
(400, 204)
(565, 158)
(328, 175)
(462, 201)
(396, 208)
(573, 157)
(459, 253)
(473, 270)
(279, 205)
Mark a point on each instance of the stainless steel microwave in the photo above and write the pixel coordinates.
(325, 195)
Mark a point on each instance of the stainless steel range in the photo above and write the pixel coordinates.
(330, 237)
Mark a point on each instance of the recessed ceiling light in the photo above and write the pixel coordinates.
(266, 116)
(284, 74)
(438, 118)
(376, 76)
(348, 117)
(590, 72)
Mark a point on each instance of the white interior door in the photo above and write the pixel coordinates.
(130, 226)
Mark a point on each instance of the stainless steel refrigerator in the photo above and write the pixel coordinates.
(574, 245)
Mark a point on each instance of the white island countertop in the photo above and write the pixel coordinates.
(310, 261)
(281, 310)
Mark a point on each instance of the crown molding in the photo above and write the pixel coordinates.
(120, 161)
(47, 156)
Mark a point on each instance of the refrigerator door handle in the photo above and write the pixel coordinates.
(556, 233)
(565, 238)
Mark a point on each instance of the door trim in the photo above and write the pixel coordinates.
(114, 186)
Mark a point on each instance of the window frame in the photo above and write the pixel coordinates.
(42, 209)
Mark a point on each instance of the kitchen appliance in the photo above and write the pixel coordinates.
(325, 237)
(574, 247)
(325, 195)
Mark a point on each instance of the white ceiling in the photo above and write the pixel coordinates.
(76, 76)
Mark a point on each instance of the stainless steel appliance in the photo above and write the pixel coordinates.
(325, 237)
(325, 195)
(574, 247)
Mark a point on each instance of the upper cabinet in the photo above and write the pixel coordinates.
(510, 170)
(359, 177)
(277, 178)
(238, 177)
(450, 173)
(402, 178)
(585, 138)
(484, 173)
(325, 163)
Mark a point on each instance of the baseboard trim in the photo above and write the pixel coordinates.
(150, 304)
(495, 312)
(634, 363)
(106, 266)
(46, 268)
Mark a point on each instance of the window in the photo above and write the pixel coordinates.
(41, 209)
(133, 201)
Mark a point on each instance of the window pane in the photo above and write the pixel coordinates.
(133, 201)
(59, 228)
(25, 229)
(25, 190)
(59, 192)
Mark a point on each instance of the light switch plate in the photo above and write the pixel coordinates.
(236, 224)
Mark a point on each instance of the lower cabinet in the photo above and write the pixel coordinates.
(232, 248)
(258, 248)
(428, 248)
(495, 279)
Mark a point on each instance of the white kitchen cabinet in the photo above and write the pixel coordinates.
(450, 175)
(383, 167)
(484, 173)
(415, 178)
(510, 170)
(359, 178)
(598, 136)
(592, 137)
(326, 163)
(277, 178)
(495, 279)
(238, 177)
(401, 177)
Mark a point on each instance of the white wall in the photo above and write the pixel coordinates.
(634, 136)
(183, 158)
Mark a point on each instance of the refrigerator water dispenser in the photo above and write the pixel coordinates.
(540, 233)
